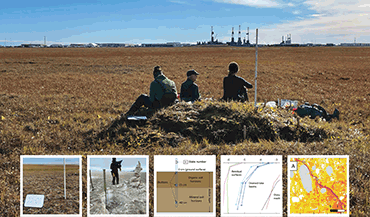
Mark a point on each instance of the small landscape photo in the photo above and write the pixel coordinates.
(56, 180)
(118, 185)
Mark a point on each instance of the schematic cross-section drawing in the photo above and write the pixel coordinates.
(184, 191)
(184, 185)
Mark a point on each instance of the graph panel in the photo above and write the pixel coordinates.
(251, 185)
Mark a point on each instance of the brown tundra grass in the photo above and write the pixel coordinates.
(59, 101)
(48, 180)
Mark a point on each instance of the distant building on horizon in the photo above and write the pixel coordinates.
(112, 44)
(354, 44)
(56, 45)
(168, 44)
(84, 45)
(33, 45)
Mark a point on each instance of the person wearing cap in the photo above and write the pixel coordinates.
(235, 87)
(162, 93)
(189, 90)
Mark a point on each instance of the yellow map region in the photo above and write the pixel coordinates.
(319, 186)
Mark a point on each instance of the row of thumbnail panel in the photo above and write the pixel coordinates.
(185, 185)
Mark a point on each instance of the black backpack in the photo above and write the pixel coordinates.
(315, 110)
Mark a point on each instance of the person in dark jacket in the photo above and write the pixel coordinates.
(235, 87)
(189, 89)
(114, 166)
(162, 93)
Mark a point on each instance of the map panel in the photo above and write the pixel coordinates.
(318, 185)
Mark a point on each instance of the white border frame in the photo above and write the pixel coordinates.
(117, 156)
(50, 156)
(318, 156)
(210, 159)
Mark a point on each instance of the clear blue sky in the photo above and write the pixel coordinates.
(53, 160)
(145, 21)
(128, 164)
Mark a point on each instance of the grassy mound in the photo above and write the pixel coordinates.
(217, 122)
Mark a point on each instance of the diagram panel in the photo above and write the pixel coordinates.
(184, 185)
(251, 185)
(180, 191)
(318, 185)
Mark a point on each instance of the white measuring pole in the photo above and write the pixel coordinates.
(105, 188)
(255, 76)
(65, 189)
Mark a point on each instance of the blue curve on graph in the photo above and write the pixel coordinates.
(243, 183)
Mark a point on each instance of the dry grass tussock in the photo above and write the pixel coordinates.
(68, 101)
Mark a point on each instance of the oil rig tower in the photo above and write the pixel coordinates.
(232, 37)
(212, 33)
(247, 43)
(239, 37)
(289, 39)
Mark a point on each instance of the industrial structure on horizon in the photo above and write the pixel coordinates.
(245, 41)
(286, 41)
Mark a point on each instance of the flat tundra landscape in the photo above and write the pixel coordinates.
(48, 180)
(56, 101)
(121, 198)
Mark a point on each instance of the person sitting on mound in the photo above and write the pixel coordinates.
(235, 87)
(162, 93)
(189, 89)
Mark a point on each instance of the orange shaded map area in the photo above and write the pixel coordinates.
(328, 177)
